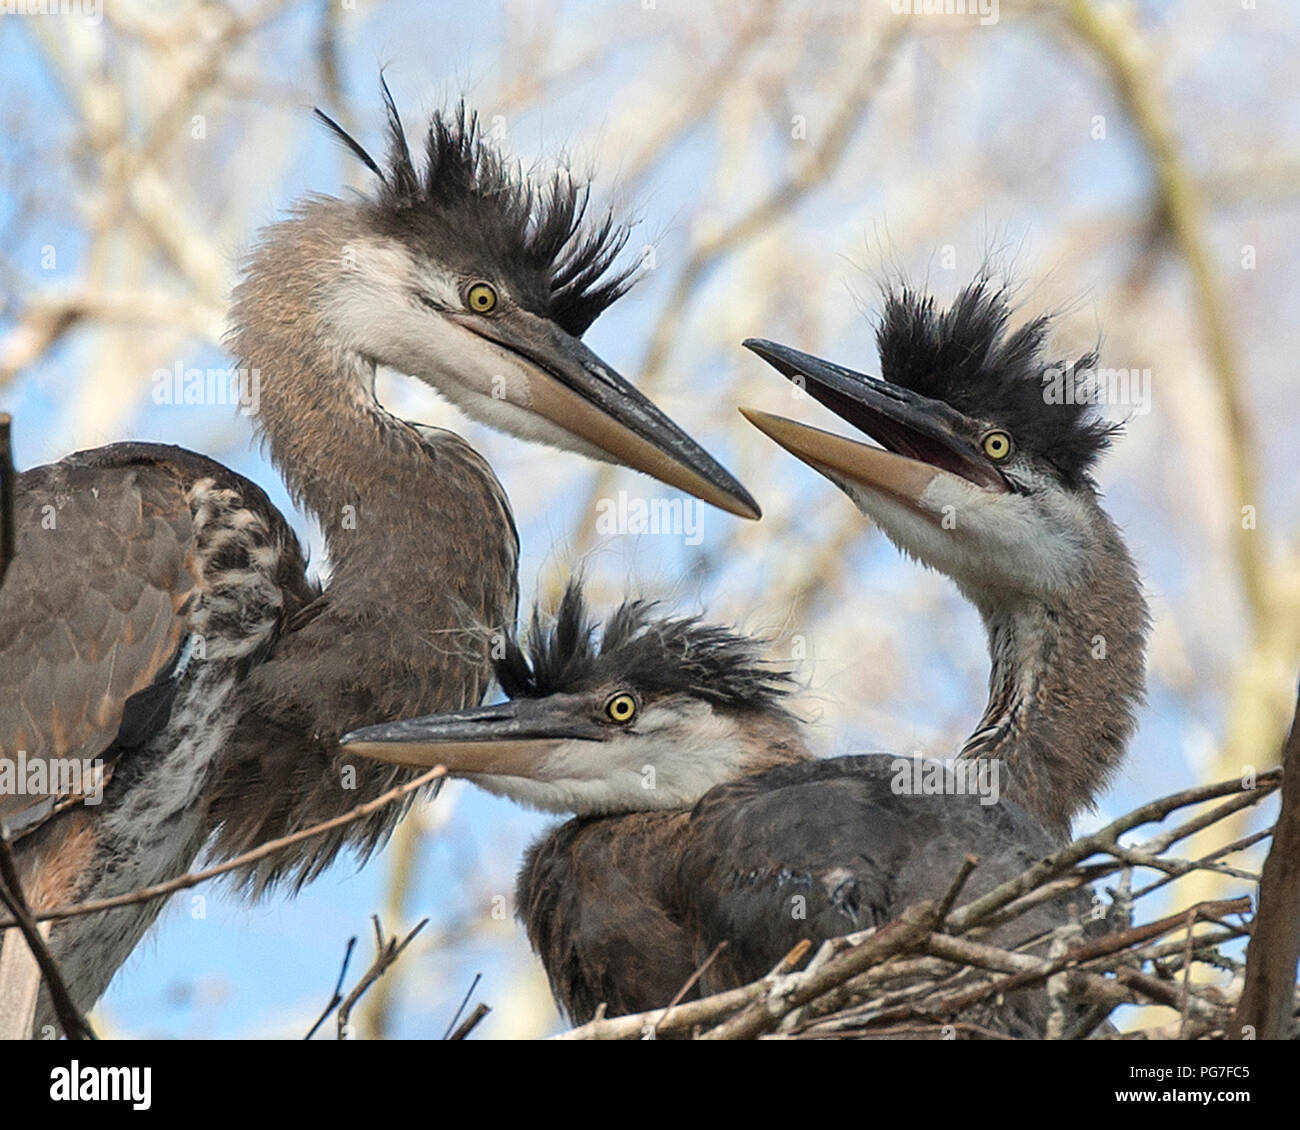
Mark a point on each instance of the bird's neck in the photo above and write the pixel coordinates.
(358, 470)
(1068, 673)
(417, 527)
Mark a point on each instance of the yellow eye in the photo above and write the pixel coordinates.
(997, 445)
(621, 708)
(482, 298)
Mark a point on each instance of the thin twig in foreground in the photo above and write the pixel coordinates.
(461, 1007)
(471, 1022)
(337, 997)
(194, 878)
(7, 475)
(954, 888)
(387, 951)
(75, 1026)
(690, 984)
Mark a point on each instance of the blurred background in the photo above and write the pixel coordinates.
(1133, 166)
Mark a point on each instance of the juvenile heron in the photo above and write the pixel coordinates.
(158, 618)
(700, 815)
(984, 473)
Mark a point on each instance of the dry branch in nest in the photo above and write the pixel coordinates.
(8, 538)
(920, 974)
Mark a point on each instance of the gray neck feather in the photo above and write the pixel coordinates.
(325, 432)
(1068, 673)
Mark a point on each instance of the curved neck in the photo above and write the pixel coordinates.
(419, 533)
(1068, 673)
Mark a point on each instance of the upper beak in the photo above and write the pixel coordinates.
(921, 439)
(577, 391)
(510, 739)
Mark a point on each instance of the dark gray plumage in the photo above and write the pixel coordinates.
(471, 207)
(625, 901)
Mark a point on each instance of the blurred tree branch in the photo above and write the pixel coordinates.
(1262, 685)
(1118, 45)
(809, 174)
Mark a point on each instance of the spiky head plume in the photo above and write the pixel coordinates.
(636, 649)
(472, 208)
(966, 357)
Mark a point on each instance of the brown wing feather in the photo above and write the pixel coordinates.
(593, 896)
(92, 610)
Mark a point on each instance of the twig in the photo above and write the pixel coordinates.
(904, 933)
(1227, 849)
(75, 1026)
(691, 982)
(1162, 992)
(8, 539)
(954, 889)
(1268, 995)
(972, 912)
(1100, 947)
(471, 1022)
(194, 878)
(461, 1007)
(337, 998)
(687, 1015)
(387, 951)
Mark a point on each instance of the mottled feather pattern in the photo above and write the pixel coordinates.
(339, 664)
(153, 550)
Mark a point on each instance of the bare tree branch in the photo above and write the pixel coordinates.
(387, 951)
(336, 998)
(8, 537)
(194, 878)
(1267, 1004)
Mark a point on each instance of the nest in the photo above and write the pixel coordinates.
(931, 972)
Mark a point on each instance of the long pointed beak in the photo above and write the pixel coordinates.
(510, 739)
(920, 438)
(837, 457)
(577, 391)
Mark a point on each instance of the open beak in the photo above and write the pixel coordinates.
(575, 390)
(511, 739)
(920, 438)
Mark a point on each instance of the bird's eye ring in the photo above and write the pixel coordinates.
(481, 298)
(996, 445)
(620, 708)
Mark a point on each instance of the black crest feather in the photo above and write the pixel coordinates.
(966, 356)
(471, 206)
(638, 650)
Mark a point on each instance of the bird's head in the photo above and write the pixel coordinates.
(982, 468)
(462, 270)
(648, 713)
